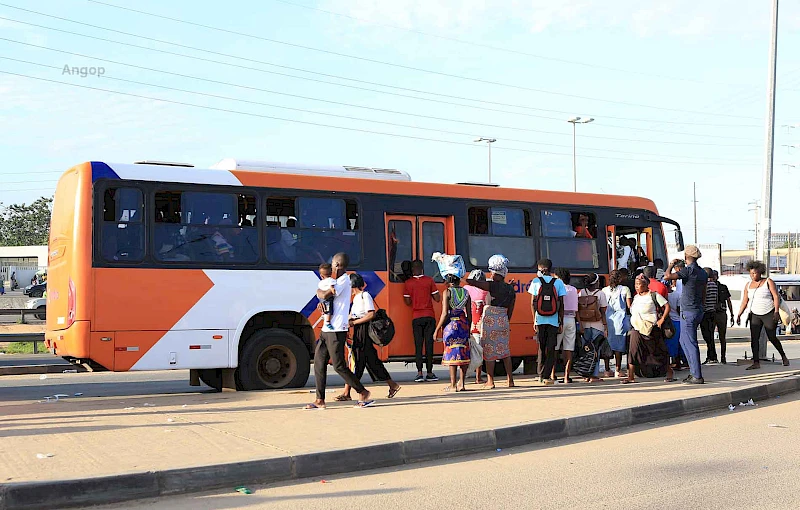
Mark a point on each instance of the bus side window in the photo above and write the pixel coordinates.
(570, 238)
(122, 229)
(501, 229)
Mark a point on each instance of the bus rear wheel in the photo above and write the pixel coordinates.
(272, 359)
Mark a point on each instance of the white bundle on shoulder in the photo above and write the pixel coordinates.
(449, 264)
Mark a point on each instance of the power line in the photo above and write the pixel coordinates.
(340, 103)
(737, 162)
(317, 124)
(494, 48)
(329, 52)
(363, 81)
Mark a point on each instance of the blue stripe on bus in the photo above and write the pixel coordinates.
(102, 171)
(374, 286)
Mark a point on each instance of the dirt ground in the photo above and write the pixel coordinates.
(21, 328)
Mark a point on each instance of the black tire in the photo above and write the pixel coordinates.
(212, 377)
(500, 368)
(272, 359)
(37, 294)
(41, 316)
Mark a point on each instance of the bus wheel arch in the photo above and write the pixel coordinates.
(274, 351)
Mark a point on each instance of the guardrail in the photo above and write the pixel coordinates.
(22, 312)
(36, 338)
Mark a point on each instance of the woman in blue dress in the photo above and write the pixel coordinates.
(455, 320)
(619, 324)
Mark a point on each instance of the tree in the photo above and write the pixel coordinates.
(26, 225)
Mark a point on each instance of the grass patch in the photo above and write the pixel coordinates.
(18, 348)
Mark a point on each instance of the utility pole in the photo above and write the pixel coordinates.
(755, 208)
(694, 202)
(763, 248)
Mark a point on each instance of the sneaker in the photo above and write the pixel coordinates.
(724, 361)
(431, 377)
(419, 378)
(694, 380)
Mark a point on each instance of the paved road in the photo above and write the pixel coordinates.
(7, 360)
(724, 460)
(104, 384)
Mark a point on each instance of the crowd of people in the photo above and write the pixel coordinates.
(650, 317)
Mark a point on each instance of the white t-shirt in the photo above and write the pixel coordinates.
(625, 258)
(602, 302)
(362, 305)
(326, 283)
(615, 294)
(644, 313)
(675, 303)
(341, 304)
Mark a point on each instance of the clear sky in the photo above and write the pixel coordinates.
(677, 89)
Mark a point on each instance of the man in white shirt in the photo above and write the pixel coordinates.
(331, 343)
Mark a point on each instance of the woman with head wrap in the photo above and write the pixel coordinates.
(478, 298)
(496, 318)
(648, 349)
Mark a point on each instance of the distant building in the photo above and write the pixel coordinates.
(25, 261)
(780, 240)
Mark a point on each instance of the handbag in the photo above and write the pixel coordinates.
(668, 328)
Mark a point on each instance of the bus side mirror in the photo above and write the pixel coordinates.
(679, 240)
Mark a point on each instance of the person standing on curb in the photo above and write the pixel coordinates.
(592, 306)
(566, 339)
(547, 303)
(708, 323)
(721, 316)
(762, 296)
(420, 293)
(331, 343)
(694, 280)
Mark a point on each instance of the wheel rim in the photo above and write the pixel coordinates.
(277, 366)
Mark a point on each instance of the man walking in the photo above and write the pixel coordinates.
(694, 280)
(420, 293)
(547, 303)
(331, 343)
(721, 316)
(709, 321)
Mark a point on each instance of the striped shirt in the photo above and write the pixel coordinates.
(710, 304)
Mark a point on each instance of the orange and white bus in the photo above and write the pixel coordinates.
(159, 266)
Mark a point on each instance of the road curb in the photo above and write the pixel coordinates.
(39, 369)
(127, 487)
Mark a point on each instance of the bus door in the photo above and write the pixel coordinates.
(629, 247)
(409, 238)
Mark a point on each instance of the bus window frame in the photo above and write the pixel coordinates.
(295, 194)
(599, 228)
(524, 206)
(99, 188)
(199, 188)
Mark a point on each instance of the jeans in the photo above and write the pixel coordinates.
(331, 345)
(689, 322)
(423, 335)
(548, 337)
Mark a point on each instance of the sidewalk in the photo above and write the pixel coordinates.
(91, 437)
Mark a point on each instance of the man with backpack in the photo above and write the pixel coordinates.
(547, 304)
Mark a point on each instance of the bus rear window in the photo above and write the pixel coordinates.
(123, 229)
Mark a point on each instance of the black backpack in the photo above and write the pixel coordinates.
(381, 328)
(547, 298)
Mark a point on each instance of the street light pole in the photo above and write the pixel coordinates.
(489, 142)
(766, 192)
(574, 121)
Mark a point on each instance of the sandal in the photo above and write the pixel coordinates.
(628, 381)
(393, 392)
(670, 379)
(364, 403)
(344, 398)
(314, 407)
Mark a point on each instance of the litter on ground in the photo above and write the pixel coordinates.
(42, 377)
(243, 490)
(44, 455)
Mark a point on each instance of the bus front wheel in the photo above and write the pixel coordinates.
(273, 358)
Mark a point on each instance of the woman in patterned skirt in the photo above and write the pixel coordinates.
(496, 316)
(455, 320)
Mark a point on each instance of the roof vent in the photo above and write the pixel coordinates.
(486, 184)
(162, 163)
